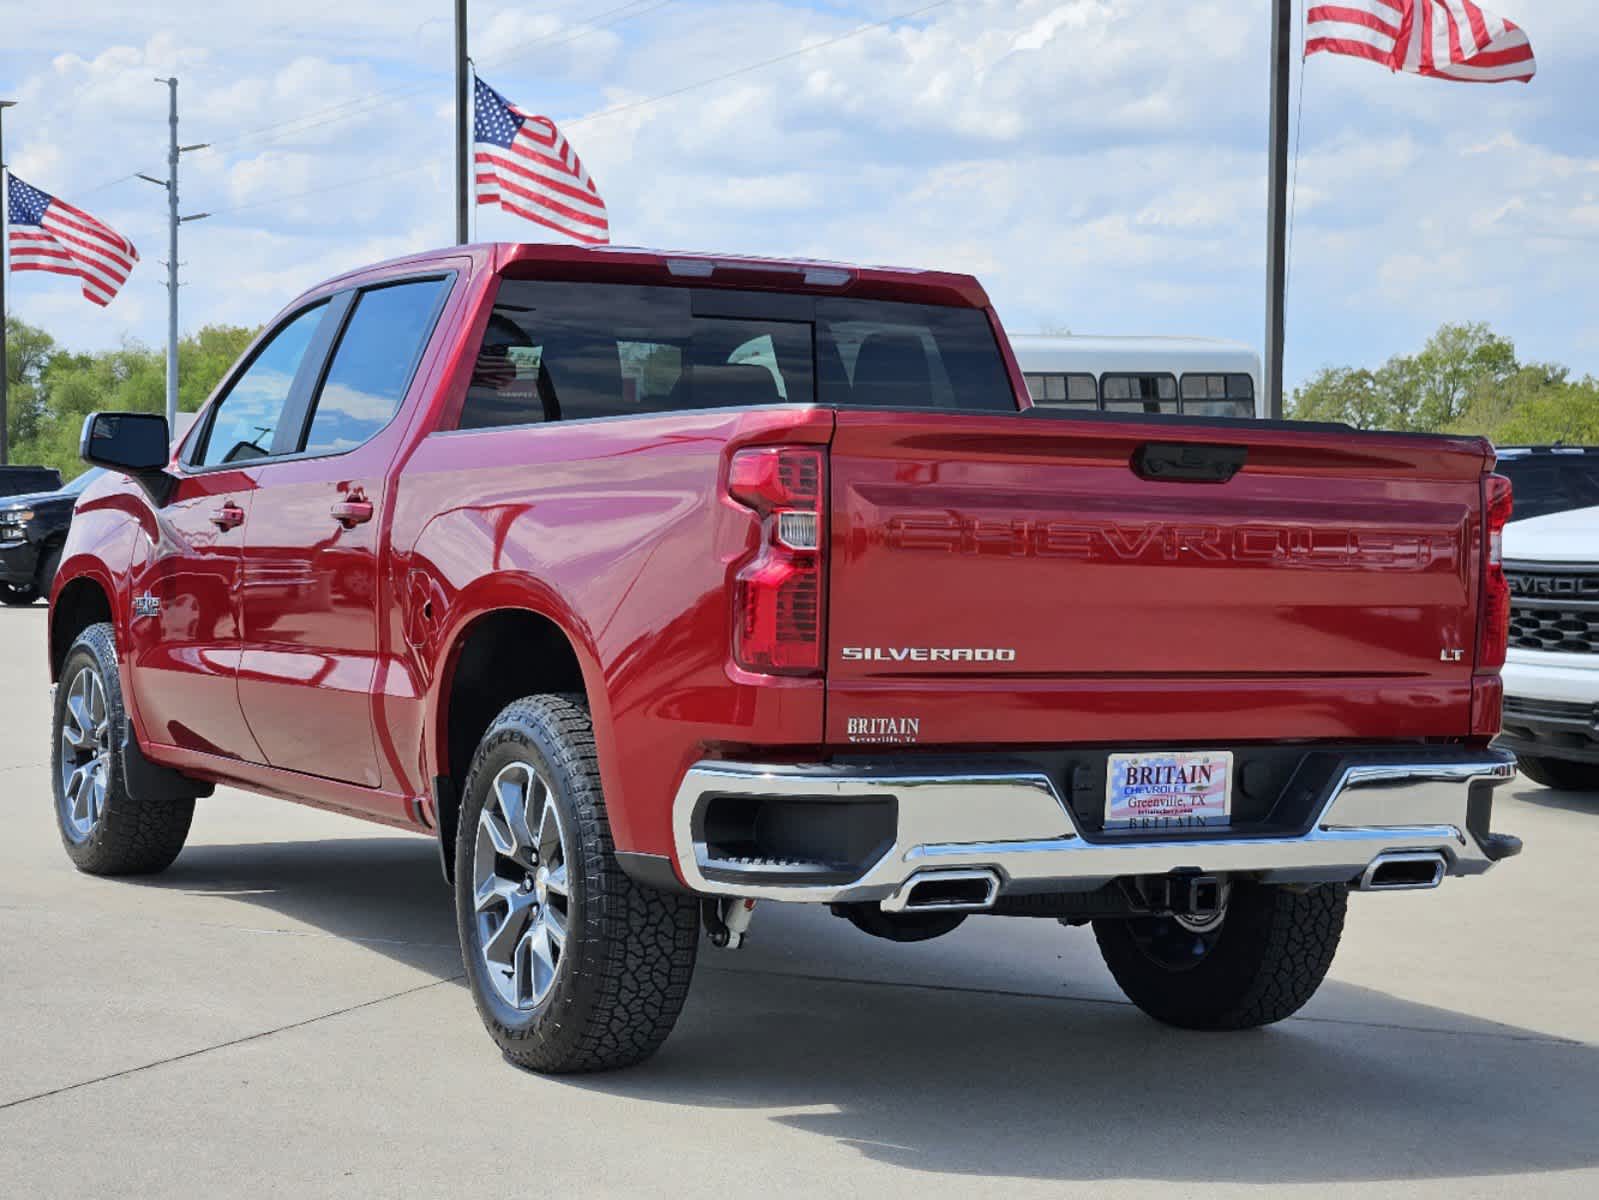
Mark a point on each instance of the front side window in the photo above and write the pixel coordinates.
(1218, 395)
(372, 366)
(246, 419)
(1139, 393)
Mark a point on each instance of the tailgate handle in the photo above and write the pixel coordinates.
(1182, 462)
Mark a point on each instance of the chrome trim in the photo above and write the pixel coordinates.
(1016, 824)
(1440, 869)
(900, 901)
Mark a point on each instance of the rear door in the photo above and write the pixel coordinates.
(1004, 580)
(310, 588)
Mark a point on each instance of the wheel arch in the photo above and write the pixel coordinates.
(78, 602)
(495, 653)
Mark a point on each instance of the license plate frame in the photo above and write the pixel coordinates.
(1165, 790)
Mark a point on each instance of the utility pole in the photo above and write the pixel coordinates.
(173, 221)
(463, 148)
(1282, 27)
(5, 377)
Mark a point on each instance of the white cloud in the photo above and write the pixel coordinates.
(1100, 163)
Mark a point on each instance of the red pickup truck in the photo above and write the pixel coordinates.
(653, 585)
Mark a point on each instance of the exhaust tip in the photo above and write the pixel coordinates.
(1403, 873)
(946, 891)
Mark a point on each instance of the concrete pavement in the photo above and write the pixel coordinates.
(282, 1014)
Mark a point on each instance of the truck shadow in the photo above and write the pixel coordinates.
(1009, 1078)
(1542, 797)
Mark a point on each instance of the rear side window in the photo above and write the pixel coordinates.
(880, 354)
(246, 419)
(1218, 395)
(569, 351)
(1139, 393)
(377, 353)
(566, 352)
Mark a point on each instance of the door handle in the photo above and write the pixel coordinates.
(351, 513)
(229, 516)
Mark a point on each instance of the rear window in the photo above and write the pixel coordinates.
(569, 351)
(1551, 482)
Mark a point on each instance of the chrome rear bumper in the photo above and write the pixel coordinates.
(1016, 824)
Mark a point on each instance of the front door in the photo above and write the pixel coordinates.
(184, 631)
(311, 584)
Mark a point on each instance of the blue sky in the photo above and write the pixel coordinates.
(1100, 164)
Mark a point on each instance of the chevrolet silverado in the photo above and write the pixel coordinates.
(656, 585)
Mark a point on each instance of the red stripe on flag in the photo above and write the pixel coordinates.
(598, 222)
(1353, 49)
(1500, 58)
(588, 239)
(559, 166)
(90, 229)
(1479, 26)
(1351, 16)
(581, 195)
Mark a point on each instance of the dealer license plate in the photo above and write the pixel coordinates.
(1186, 789)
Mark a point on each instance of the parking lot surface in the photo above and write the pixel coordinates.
(282, 1013)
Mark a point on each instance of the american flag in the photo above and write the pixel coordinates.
(50, 235)
(1447, 39)
(525, 166)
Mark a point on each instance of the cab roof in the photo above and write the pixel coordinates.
(634, 264)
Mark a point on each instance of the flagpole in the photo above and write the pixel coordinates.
(462, 149)
(1277, 204)
(5, 377)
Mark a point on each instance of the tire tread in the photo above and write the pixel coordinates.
(644, 941)
(135, 835)
(1273, 967)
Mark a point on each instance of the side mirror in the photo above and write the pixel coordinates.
(137, 444)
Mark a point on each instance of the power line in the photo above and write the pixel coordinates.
(372, 101)
(619, 108)
(755, 66)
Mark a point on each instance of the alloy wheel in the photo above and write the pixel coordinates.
(85, 754)
(521, 899)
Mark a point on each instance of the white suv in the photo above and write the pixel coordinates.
(1551, 554)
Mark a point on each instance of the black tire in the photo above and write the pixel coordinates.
(18, 595)
(628, 953)
(45, 576)
(1561, 774)
(1265, 960)
(129, 835)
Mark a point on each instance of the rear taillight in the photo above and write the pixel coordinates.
(1494, 629)
(777, 594)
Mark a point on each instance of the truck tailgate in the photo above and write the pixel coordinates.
(1009, 579)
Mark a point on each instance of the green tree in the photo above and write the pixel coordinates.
(204, 357)
(67, 386)
(1457, 362)
(1347, 394)
(28, 350)
(1466, 379)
